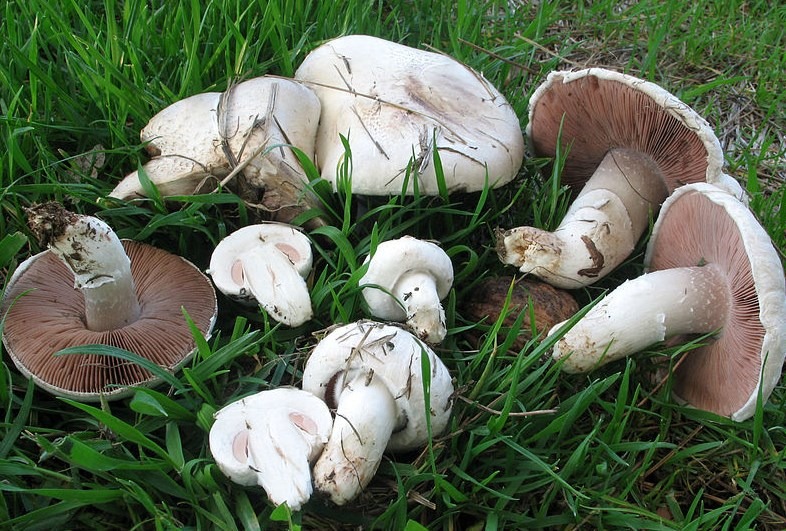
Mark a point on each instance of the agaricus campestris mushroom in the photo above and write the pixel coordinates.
(629, 144)
(395, 105)
(195, 143)
(712, 267)
(91, 288)
(266, 263)
(371, 375)
(406, 280)
(270, 439)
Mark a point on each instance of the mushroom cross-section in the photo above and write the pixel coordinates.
(396, 105)
(712, 268)
(371, 374)
(406, 280)
(196, 142)
(266, 264)
(91, 288)
(270, 439)
(628, 144)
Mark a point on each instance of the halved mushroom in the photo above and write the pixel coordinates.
(266, 264)
(91, 288)
(712, 267)
(629, 144)
(371, 375)
(395, 105)
(406, 280)
(270, 439)
(196, 143)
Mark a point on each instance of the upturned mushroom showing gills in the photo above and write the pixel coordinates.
(371, 375)
(197, 142)
(266, 264)
(629, 143)
(90, 288)
(271, 439)
(396, 105)
(712, 268)
(406, 280)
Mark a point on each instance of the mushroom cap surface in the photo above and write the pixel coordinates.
(393, 103)
(44, 314)
(393, 355)
(604, 109)
(394, 259)
(702, 224)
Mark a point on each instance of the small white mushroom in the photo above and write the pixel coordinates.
(406, 280)
(270, 439)
(266, 264)
(371, 375)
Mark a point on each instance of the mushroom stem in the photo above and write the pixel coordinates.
(365, 418)
(644, 311)
(417, 290)
(95, 255)
(599, 230)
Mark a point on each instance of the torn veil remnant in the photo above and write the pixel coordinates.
(628, 143)
(711, 268)
(91, 288)
(196, 143)
(371, 374)
(396, 105)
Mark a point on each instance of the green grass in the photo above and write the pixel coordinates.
(617, 453)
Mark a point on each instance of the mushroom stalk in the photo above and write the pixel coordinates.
(425, 316)
(365, 419)
(644, 311)
(599, 230)
(95, 255)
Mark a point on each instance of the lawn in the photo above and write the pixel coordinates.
(527, 447)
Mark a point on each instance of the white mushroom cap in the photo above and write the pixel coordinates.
(405, 281)
(266, 263)
(365, 363)
(196, 142)
(394, 103)
(270, 439)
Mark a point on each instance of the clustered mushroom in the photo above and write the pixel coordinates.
(369, 387)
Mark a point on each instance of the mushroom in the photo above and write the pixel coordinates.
(270, 439)
(371, 375)
(91, 288)
(405, 281)
(395, 105)
(630, 144)
(266, 263)
(712, 268)
(196, 143)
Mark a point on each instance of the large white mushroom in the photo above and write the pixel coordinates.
(266, 264)
(195, 144)
(371, 375)
(395, 105)
(406, 280)
(270, 439)
(628, 143)
(712, 268)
